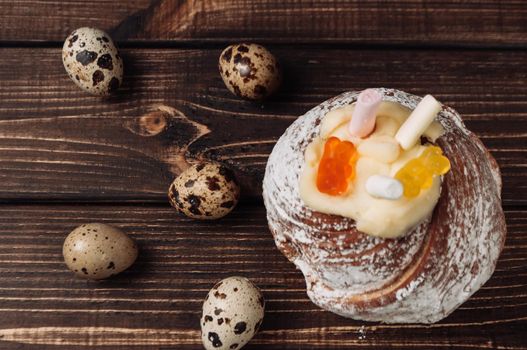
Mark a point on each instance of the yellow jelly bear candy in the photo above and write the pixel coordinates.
(418, 174)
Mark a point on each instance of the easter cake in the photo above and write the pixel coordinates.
(388, 205)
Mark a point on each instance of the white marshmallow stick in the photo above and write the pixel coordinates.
(422, 116)
(380, 186)
(365, 113)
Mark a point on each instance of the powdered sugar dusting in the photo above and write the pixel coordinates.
(421, 277)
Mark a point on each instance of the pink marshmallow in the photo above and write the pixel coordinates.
(365, 112)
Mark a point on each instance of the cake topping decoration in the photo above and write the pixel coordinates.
(363, 120)
(355, 177)
(337, 166)
(418, 174)
(416, 124)
(385, 187)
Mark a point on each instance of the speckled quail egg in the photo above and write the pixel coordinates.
(205, 191)
(92, 61)
(232, 313)
(249, 71)
(97, 251)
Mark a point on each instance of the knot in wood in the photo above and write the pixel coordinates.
(153, 123)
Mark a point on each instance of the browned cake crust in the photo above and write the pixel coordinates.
(420, 277)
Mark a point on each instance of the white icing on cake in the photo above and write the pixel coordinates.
(380, 154)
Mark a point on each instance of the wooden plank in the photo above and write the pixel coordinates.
(157, 303)
(58, 143)
(430, 22)
(54, 20)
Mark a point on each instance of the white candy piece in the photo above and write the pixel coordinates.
(416, 124)
(386, 187)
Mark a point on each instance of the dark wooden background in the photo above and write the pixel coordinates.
(67, 158)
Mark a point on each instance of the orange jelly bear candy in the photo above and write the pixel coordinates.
(418, 174)
(337, 166)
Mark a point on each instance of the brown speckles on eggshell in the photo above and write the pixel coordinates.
(72, 39)
(240, 327)
(173, 193)
(89, 254)
(195, 203)
(86, 57)
(88, 50)
(243, 48)
(227, 173)
(249, 71)
(213, 183)
(105, 61)
(237, 90)
(97, 77)
(214, 339)
(227, 54)
(219, 295)
(244, 65)
(202, 189)
(241, 313)
(237, 58)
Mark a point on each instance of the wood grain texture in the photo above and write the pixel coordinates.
(58, 143)
(55, 20)
(157, 303)
(430, 22)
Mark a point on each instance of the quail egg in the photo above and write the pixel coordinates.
(92, 61)
(232, 313)
(205, 191)
(97, 251)
(249, 71)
